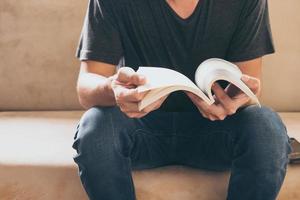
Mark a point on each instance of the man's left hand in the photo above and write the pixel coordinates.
(227, 101)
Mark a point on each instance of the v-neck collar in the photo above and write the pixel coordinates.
(199, 3)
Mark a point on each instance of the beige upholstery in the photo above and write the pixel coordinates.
(38, 69)
(36, 164)
(281, 71)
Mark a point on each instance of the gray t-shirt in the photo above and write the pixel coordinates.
(150, 33)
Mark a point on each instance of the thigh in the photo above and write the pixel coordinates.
(214, 144)
(202, 143)
(147, 142)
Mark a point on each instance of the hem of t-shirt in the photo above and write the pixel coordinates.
(251, 56)
(84, 55)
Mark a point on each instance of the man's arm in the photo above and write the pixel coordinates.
(94, 84)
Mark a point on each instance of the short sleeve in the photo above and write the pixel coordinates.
(253, 37)
(100, 38)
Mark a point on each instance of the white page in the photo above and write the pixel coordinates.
(215, 69)
(158, 77)
(162, 81)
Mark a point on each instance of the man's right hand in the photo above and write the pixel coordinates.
(124, 85)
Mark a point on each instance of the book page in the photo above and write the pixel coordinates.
(156, 94)
(158, 77)
(215, 69)
(162, 81)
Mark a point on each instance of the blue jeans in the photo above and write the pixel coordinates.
(253, 144)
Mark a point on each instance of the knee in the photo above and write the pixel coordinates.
(95, 118)
(263, 122)
(94, 133)
(264, 133)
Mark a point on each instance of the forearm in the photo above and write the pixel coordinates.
(95, 90)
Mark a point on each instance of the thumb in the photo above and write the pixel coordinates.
(124, 74)
(252, 82)
(127, 75)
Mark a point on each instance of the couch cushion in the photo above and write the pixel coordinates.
(36, 163)
(292, 122)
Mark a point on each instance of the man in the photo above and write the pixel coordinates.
(113, 137)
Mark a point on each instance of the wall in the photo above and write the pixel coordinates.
(281, 72)
(38, 39)
(38, 69)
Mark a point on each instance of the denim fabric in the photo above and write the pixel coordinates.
(252, 144)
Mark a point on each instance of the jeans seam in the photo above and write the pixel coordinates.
(117, 150)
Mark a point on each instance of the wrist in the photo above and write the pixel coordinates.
(108, 89)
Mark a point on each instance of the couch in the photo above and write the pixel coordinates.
(39, 107)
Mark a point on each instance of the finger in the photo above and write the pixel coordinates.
(129, 107)
(218, 112)
(221, 95)
(124, 74)
(155, 105)
(198, 101)
(228, 104)
(194, 97)
(202, 113)
(159, 102)
(252, 82)
(162, 99)
(212, 112)
(127, 75)
(150, 108)
(129, 95)
(135, 114)
(209, 111)
(232, 90)
(141, 115)
(242, 100)
(138, 79)
(212, 118)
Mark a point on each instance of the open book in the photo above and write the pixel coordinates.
(162, 81)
